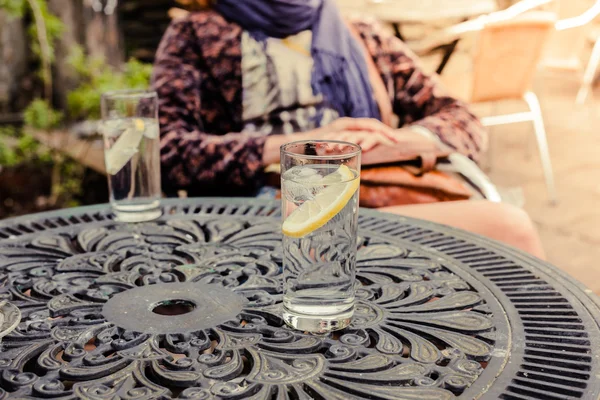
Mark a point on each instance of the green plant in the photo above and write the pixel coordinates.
(8, 156)
(71, 174)
(10, 131)
(40, 115)
(15, 8)
(17, 147)
(97, 78)
(44, 30)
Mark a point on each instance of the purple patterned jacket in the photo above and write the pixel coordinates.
(198, 77)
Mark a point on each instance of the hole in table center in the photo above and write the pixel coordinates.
(173, 307)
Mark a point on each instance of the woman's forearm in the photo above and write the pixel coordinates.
(271, 150)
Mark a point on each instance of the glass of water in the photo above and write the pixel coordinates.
(319, 194)
(131, 153)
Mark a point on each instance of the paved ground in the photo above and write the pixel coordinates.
(570, 230)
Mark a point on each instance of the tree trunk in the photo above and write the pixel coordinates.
(65, 77)
(102, 35)
(13, 64)
(97, 34)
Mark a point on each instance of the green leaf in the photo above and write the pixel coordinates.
(40, 115)
(51, 24)
(14, 8)
(9, 131)
(27, 144)
(98, 78)
(78, 61)
(17, 147)
(8, 156)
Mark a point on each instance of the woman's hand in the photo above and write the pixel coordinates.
(410, 144)
(366, 132)
(370, 134)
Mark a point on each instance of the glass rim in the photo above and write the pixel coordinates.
(354, 153)
(129, 94)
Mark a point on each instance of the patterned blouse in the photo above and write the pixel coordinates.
(221, 94)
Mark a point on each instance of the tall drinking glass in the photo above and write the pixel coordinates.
(131, 153)
(319, 184)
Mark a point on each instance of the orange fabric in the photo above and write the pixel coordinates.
(396, 185)
(386, 196)
(395, 175)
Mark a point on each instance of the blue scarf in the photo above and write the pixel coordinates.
(340, 71)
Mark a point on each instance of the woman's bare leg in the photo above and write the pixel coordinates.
(502, 222)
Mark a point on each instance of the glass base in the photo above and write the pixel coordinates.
(138, 215)
(318, 323)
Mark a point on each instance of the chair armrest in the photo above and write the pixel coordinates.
(470, 171)
(463, 165)
(581, 20)
(456, 31)
(446, 36)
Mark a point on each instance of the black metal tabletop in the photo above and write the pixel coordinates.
(189, 307)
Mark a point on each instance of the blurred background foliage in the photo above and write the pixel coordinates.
(21, 154)
(97, 78)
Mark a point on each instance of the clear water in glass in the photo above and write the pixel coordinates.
(319, 268)
(132, 160)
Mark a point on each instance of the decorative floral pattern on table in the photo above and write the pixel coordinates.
(10, 316)
(420, 330)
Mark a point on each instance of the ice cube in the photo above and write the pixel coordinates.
(297, 193)
(306, 172)
(313, 183)
(292, 173)
(300, 173)
(305, 182)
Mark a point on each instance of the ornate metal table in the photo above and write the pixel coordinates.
(188, 307)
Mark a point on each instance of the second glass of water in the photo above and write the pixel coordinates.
(319, 184)
(132, 154)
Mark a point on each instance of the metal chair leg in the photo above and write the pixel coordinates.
(590, 74)
(540, 134)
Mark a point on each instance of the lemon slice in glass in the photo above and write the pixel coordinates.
(313, 214)
(126, 146)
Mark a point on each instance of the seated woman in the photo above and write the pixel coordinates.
(238, 81)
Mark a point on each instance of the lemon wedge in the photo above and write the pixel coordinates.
(125, 147)
(313, 214)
